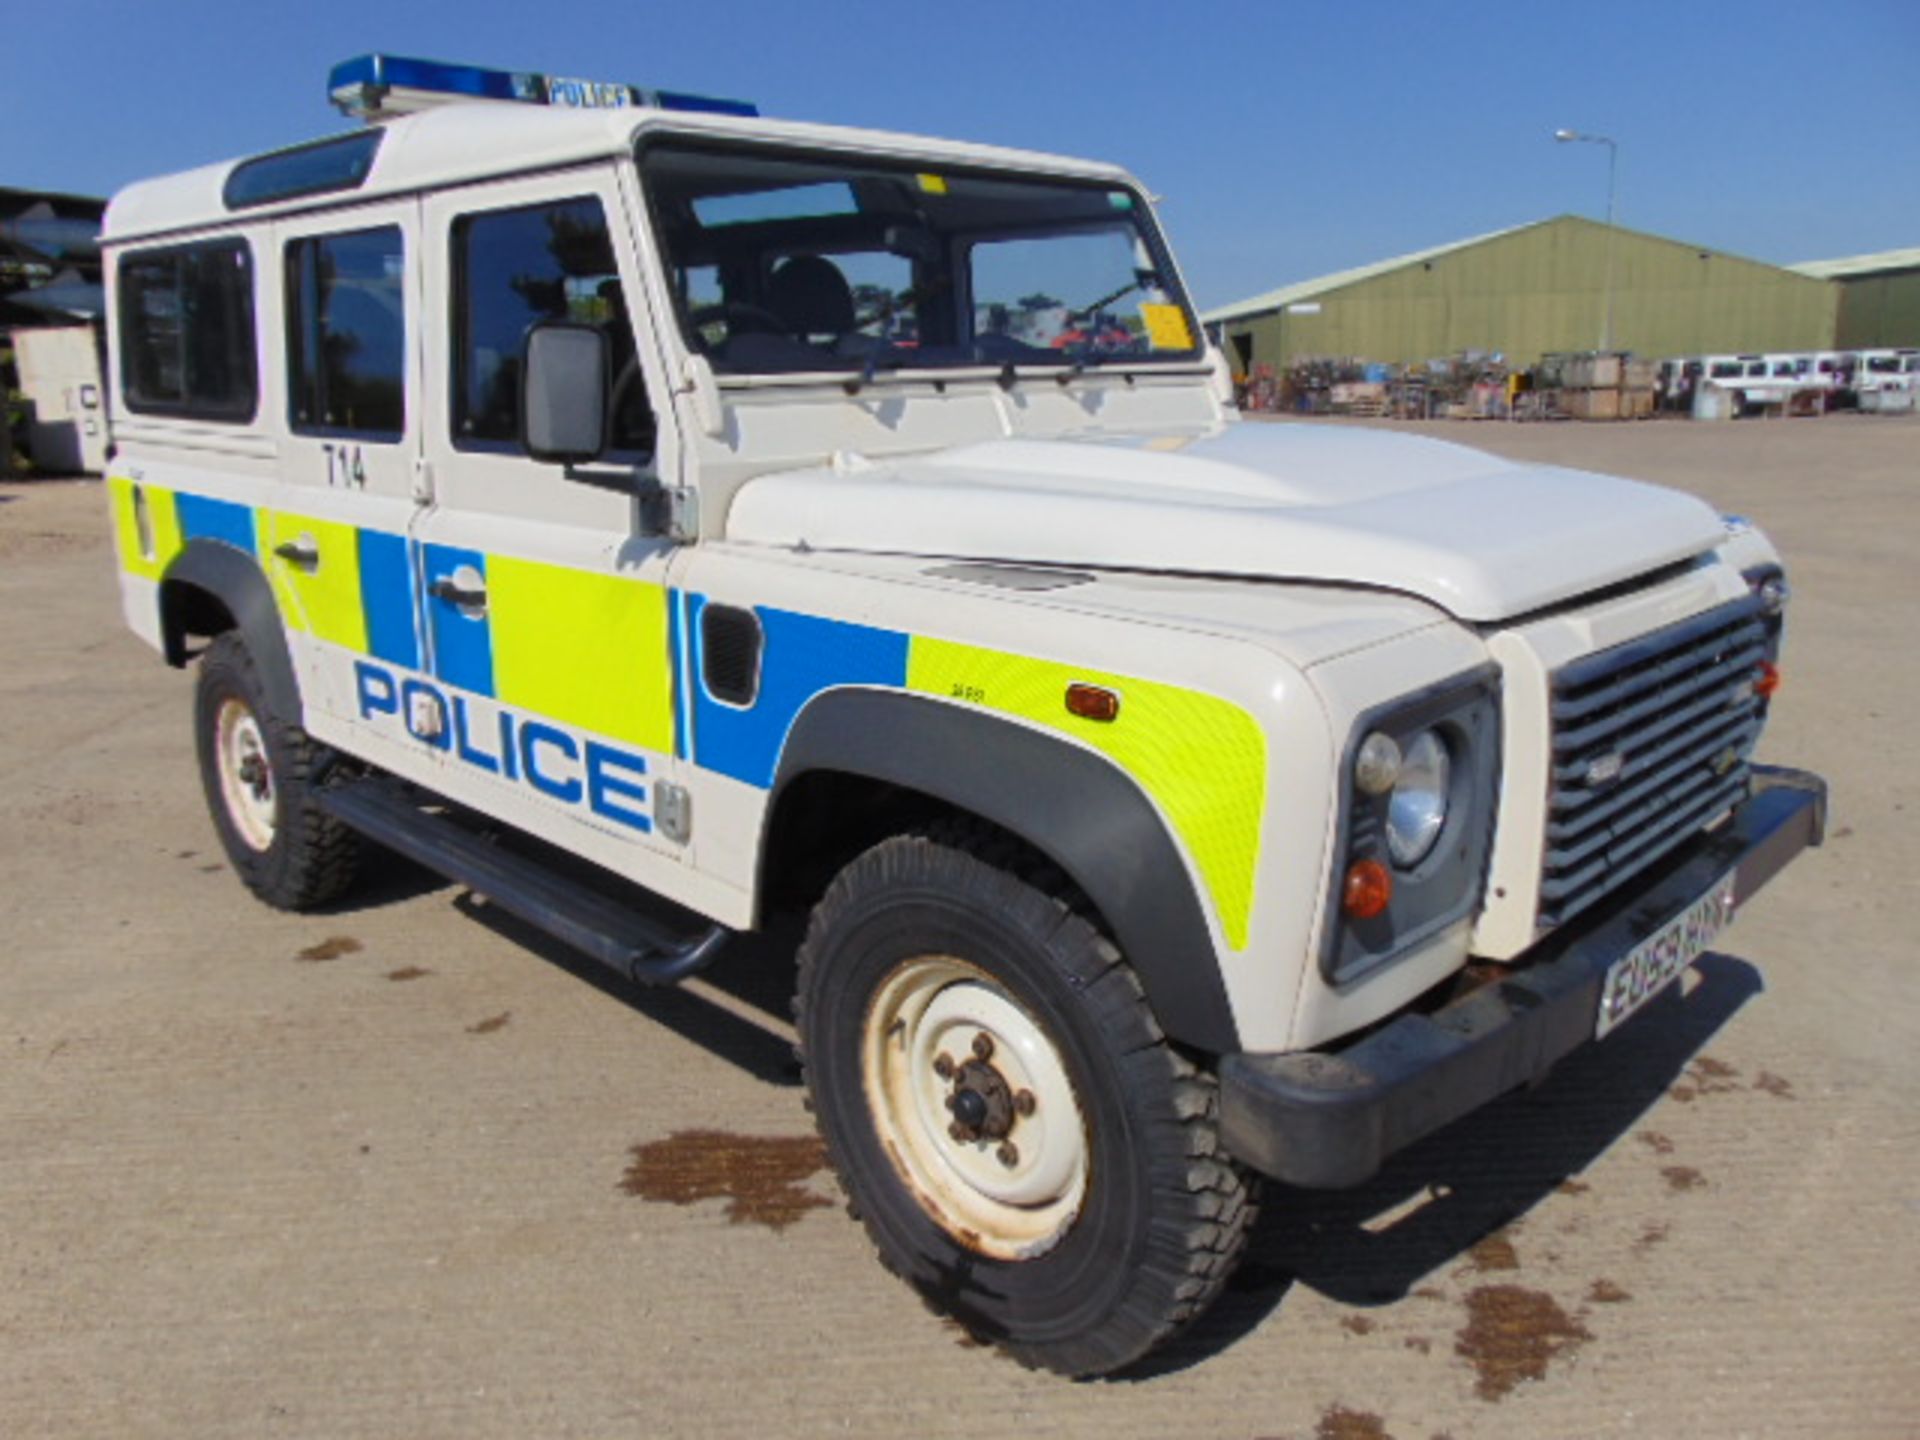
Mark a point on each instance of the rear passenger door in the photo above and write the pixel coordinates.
(542, 604)
(343, 324)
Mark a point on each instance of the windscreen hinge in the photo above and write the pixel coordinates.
(672, 511)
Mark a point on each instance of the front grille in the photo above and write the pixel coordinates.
(1651, 740)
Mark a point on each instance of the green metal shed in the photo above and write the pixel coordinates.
(1879, 298)
(1535, 289)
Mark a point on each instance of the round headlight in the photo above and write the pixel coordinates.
(1417, 809)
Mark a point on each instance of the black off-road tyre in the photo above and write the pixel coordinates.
(293, 856)
(1164, 1214)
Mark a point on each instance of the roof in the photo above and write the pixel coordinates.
(1311, 289)
(1307, 289)
(1851, 265)
(451, 144)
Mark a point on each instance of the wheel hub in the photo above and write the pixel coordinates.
(253, 774)
(975, 1107)
(982, 1103)
(246, 774)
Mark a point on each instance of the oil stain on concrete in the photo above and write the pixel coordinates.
(1513, 1334)
(759, 1176)
(332, 948)
(1337, 1422)
(1494, 1252)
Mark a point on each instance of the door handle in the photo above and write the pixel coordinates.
(467, 597)
(303, 553)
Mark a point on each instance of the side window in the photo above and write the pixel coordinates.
(513, 269)
(186, 331)
(347, 334)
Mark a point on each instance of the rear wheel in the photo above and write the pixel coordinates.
(1025, 1147)
(257, 768)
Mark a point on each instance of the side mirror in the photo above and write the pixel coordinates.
(563, 392)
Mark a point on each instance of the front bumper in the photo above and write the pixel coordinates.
(1330, 1119)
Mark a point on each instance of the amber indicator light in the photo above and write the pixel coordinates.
(1090, 702)
(1768, 680)
(1368, 888)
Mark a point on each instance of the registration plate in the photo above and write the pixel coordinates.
(1647, 969)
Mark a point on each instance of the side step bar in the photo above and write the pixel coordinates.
(569, 910)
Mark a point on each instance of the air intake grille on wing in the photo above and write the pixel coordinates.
(730, 653)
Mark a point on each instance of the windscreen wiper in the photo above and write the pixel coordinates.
(1141, 279)
(885, 354)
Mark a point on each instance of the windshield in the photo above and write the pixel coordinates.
(786, 262)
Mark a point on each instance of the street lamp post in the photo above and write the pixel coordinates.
(1613, 158)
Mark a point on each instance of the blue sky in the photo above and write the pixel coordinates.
(1288, 140)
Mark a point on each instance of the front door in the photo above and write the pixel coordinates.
(542, 603)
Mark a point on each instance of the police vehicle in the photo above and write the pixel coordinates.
(585, 491)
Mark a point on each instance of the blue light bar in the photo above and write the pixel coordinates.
(376, 86)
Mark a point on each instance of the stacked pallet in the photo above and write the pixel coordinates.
(1603, 385)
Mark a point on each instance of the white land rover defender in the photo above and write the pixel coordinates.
(771, 515)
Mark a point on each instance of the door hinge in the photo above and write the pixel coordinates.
(422, 481)
(673, 810)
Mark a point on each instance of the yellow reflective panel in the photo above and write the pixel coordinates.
(1201, 758)
(323, 599)
(585, 648)
(146, 526)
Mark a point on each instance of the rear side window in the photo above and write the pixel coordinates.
(514, 269)
(341, 163)
(186, 331)
(347, 334)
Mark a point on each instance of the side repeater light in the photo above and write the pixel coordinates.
(1093, 702)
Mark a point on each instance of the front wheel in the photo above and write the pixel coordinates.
(1026, 1148)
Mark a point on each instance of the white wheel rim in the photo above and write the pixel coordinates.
(1013, 1189)
(246, 776)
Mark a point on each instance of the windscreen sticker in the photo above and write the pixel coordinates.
(1167, 327)
(933, 184)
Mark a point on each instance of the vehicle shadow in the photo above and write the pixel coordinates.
(743, 1017)
(754, 973)
(1432, 1203)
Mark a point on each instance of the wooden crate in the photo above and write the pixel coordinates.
(1591, 404)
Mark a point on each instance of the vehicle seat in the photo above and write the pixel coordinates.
(810, 294)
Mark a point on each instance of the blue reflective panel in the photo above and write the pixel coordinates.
(386, 598)
(802, 655)
(462, 638)
(204, 518)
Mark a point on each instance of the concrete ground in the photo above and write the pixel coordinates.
(399, 1170)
